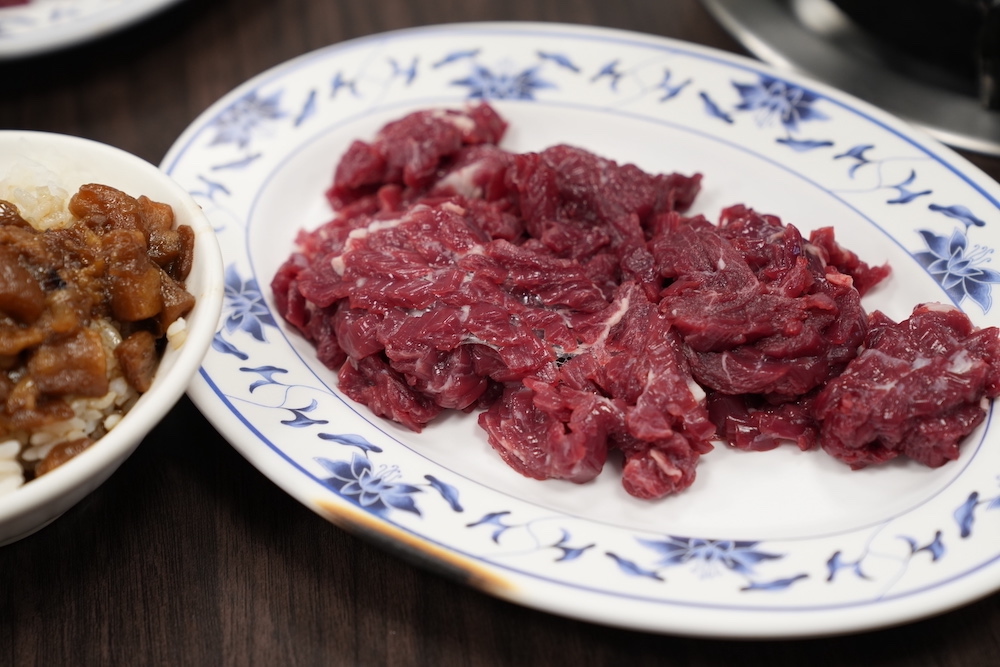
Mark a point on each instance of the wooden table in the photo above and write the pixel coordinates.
(190, 556)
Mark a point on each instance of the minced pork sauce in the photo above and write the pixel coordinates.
(90, 291)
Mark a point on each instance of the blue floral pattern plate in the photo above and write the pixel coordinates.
(47, 25)
(773, 544)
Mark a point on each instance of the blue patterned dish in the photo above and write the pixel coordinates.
(774, 544)
(46, 25)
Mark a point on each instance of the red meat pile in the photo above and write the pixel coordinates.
(568, 299)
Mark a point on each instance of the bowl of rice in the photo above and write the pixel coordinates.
(111, 285)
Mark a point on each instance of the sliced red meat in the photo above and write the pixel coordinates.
(915, 390)
(568, 298)
(756, 307)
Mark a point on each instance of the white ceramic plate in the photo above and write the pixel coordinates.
(775, 544)
(47, 25)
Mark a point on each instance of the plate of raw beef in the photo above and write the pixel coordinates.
(612, 326)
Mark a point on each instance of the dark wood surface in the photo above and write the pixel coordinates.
(188, 555)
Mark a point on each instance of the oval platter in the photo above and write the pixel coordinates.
(764, 544)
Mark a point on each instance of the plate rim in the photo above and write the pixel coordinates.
(91, 27)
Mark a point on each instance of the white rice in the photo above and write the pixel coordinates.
(177, 333)
(33, 189)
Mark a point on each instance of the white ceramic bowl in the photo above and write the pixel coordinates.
(75, 161)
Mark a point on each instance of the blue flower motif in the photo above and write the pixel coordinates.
(836, 563)
(803, 145)
(734, 555)
(632, 569)
(241, 163)
(958, 268)
(308, 109)
(772, 98)
(340, 82)
(611, 72)
(906, 195)
(493, 519)
(212, 188)
(560, 60)
(858, 154)
(671, 90)
(569, 552)
(485, 84)
(456, 55)
(352, 440)
(245, 306)
(374, 490)
(408, 74)
(935, 547)
(447, 491)
(965, 514)
(266, 373)
(220, 344)
(776, 585)
(960, 213)
(300, 420)
(237, 124)
(713, 109)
